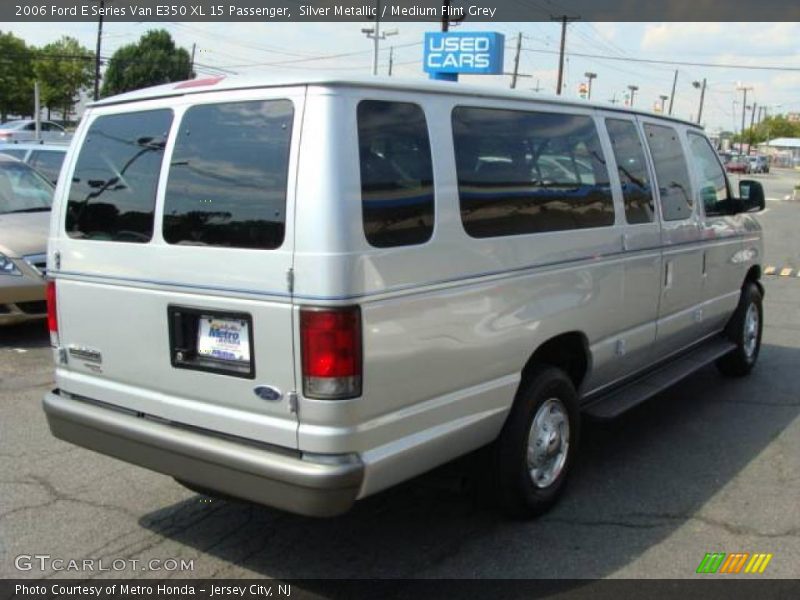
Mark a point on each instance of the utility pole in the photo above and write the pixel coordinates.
(538, 88)
(744, 89)
(663, 99)
(672, 95)
(391, 59)
(752, 122)
(697, 84)
(191, 64)
(633, 89)
(516, 61)
(564, 20)
(589, 75)
(97, 52)
(447, 19)
(375, 34)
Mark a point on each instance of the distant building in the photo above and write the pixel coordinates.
(793, 117)
(782, 151)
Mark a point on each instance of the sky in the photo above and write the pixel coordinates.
(341, 48)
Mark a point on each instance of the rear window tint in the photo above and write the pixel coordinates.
(529, 172)
(113, 191)
(396, 173)
(228, 176)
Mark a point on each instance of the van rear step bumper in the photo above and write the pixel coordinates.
(234, 469)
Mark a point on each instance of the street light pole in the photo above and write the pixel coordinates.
(633, 89)
(589, 75)
(697, 84)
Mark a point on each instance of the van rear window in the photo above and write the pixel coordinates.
(228, 176)
(529, 172)
(113, 191)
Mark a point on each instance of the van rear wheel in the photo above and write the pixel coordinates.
(744, 329)
(534, 454)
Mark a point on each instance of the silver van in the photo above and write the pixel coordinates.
(302, 292)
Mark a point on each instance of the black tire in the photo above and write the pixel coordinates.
(516, 491)
(739, 330)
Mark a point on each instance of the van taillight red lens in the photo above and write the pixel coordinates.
(52, 316)
(330, 341)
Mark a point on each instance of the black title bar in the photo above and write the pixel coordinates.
(398, 10)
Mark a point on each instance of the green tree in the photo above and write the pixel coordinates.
(152, 61)
(63, 69)
(770, 128)
(16, 77)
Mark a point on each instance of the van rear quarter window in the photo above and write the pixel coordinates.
(396, 173)
(228, 175)
(113, 192)
(529, 172)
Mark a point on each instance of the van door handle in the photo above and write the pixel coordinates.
(668, 275)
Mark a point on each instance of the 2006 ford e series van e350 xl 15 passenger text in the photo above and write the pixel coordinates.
(302, 292)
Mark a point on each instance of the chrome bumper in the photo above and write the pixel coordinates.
(233, 468)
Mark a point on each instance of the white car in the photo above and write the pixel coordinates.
(24, 130)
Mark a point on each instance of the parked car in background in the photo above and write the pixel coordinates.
(45, 158)
(24, 130)
(758, 163)
(25, 200)
(737, 164)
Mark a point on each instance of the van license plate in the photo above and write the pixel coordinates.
(223, 339)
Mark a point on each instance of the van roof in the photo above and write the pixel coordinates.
(222, 83)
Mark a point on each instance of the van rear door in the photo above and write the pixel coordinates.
(171, 253)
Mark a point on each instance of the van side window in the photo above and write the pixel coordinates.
(113, 191)
(632, 166)
(713, 189)
(396, 173)
(228, 175)
(529, 172)
(672, 174)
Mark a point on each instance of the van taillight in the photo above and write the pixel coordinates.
(52, 316)
(330, 341)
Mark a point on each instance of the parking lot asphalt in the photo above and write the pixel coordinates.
(711, 465)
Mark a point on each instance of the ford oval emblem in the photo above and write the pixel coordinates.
(267, 392)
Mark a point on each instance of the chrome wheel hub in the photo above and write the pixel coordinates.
(548, 443)
(750, 331)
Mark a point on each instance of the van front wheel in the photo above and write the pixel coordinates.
(535, 451)
(744, 329)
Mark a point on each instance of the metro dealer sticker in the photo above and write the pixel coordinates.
(223, 339)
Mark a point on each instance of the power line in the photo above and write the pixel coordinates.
(672, 62)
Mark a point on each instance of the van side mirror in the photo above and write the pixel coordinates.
(751, 196)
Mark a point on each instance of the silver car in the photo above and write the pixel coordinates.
(25, 200)
(45, 158)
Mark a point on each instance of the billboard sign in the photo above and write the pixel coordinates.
(473, 53)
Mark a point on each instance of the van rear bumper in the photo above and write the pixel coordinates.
(233, 468)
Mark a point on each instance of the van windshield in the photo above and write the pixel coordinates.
(22, 189)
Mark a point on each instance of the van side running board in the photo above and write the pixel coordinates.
(621, 399)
